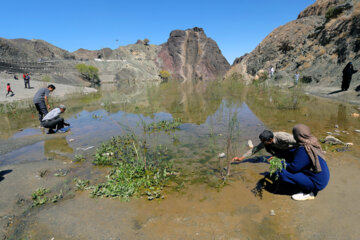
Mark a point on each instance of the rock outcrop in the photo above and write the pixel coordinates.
(187, 55)
(191, 55)
(318, 44)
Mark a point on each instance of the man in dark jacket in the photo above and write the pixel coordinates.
(347, 74)
(41, 100)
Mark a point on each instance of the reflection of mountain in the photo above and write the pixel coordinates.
(57, 148)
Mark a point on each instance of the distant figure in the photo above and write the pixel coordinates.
(297, 75)
(8, 88)
(41, 101)
(53, 121)
(272, 70)
(347, 74)
(27, 80)
(15, 77)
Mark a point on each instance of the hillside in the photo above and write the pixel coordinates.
(318, 44)
(187, 55)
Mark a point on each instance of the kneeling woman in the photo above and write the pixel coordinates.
(308, 169)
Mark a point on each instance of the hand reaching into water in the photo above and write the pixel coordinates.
(237, 159)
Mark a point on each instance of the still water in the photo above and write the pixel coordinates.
(200, 209)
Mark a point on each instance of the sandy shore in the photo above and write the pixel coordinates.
(22, 93)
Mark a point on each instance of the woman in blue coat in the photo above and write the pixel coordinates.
(307, 168)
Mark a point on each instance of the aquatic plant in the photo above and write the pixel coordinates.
(163, 125)
(136, 169)
(81, 184)
(38, 196)
(79, 158)
(276, 165)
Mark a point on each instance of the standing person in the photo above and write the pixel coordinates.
(41, 101)
(8, 88)
(27, 81)
(297, 75)
(52, 120)
(272, 70)
(275, 143)
(308, 169)
(347, 74)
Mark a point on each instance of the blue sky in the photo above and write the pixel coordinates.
(237, 26)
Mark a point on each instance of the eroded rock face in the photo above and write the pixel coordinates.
(187, 55)
(191, 55)
(319, 45)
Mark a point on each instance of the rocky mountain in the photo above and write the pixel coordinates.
(187, 55)
(23, 50)
(318, 44)
(190, 54)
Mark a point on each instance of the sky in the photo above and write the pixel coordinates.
(237, 26)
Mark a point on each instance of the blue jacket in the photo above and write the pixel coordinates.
(302, 163)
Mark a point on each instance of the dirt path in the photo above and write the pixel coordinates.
(22, 93)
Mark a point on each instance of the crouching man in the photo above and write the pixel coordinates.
(52, 120)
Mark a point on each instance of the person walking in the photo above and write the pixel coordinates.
(348, 71)
(52, 120)
(8, 88)
(297, 75)
(41, 101)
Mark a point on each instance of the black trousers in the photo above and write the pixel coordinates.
(27, 83)
(56, 123)
(42, 110)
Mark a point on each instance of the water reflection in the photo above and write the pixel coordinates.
(57, 148)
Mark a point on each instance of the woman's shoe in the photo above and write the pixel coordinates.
(303, 196)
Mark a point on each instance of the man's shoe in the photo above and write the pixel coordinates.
(302, 196)
(51, 131)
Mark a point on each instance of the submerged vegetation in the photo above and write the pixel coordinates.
(163, 125)
(137, 169)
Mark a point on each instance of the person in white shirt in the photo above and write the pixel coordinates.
(274, 143)
(52, 120)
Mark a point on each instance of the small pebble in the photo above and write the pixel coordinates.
(221, 155)
(71, 140)
(349, 144)
(336, 130)
(330, 133)
(272, 213)
(336, 126)
(357, 130)
(291, 121)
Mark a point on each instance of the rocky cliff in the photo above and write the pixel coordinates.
(187, 55)
(191, 55)
(318, 44)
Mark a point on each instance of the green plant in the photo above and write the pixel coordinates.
(81, 184)
(79, 158)
(89, 73)
(46, 78)
(276, 165)
(164, 75)
(163, 125)
(38, 196)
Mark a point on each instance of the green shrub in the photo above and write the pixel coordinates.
(46, 78)
(89, 73)
(164, 75)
